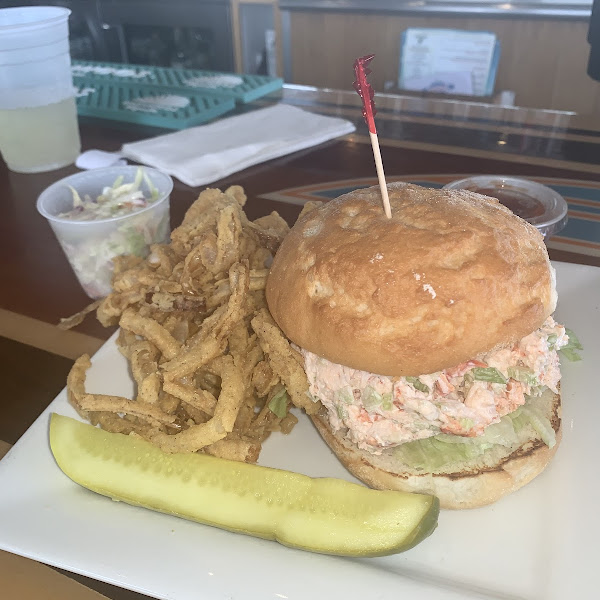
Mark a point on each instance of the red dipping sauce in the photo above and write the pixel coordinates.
(523, 205)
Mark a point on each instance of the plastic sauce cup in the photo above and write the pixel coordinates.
(91, 246)
(536, 203)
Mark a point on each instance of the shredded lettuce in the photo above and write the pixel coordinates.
(490, 374)
(279, 403)
(523, 374)
(502, 433)
(466, 423)
(534, 414)
(432, 454)
(436, 452)
(570, 350)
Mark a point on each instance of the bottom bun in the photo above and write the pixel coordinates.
(469, 485)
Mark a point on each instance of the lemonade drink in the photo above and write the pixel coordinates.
(38, 119)
(40, 138)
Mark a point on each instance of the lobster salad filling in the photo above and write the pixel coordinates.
(382, 412)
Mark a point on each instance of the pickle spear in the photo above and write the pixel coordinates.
(325, 515)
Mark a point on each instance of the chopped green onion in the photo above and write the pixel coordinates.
(490, 374)
(345, 395)
(417, 384)
(279, 403)
(342, 413)
(371, 398)
(387, 401)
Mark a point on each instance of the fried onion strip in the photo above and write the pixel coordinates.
(143, 357)
(189, 362)
(149, 389)
(79, 317)
(228, 404)
(204, 356)
(190, 440)
(202, 347)
(117, 404)
(152, 331)
(233, 448)
(283, 360)
(76, 383)
(200, 399)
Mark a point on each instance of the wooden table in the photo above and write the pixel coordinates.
(38, 287)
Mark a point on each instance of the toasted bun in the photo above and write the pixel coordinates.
(452, 275)
(471, 484)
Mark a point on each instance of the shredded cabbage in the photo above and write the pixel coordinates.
(92, 256)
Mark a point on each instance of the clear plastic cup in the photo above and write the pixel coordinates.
(532, 201)
(38, 116)
(91, 246)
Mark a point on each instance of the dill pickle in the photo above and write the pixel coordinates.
(324, 515)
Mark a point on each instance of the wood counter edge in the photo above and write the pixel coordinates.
(4, 448)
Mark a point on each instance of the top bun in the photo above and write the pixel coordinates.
(453, 274)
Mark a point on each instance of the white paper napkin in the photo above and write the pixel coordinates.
(201, 155)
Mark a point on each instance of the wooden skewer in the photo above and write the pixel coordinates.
(365, 91)
(381, 175)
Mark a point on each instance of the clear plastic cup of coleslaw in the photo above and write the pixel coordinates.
(92, 245)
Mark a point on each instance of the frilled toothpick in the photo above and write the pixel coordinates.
(365, 91)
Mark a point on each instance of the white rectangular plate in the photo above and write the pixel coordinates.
(538, 543)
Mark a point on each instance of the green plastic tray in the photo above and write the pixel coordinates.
(171, 79)
(109, 100)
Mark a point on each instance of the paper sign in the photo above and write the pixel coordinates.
(448, 58)
(444, 83)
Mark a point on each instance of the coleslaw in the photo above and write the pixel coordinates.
(127, 218)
